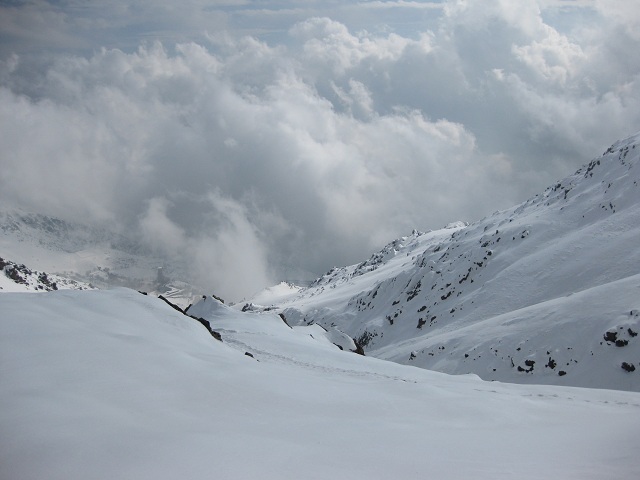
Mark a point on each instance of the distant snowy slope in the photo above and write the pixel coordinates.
(276, 293)
(90, 254)
(19, 278)
(441, 300)
(117, 385)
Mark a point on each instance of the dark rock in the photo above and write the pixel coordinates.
(444, 297)
(529, 364)
(359, 350)
(207, 325)
(281, 315)
(629, 367)
(216, 297)
(202, 321)
(172, 305)
(13, 273)
(364, 339)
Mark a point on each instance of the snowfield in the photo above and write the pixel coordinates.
(114, 384)
(117, 385)
(547, 292)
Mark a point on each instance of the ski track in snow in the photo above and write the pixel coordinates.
(269, 356)
(265, 355)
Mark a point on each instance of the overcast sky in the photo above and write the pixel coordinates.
(251, 136)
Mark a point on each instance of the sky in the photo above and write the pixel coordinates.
(267, 140)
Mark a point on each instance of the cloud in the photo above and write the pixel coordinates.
(401, 4)
(26, 24)
(230, 254)
(225, 253)
(249, 158)
(159, 231)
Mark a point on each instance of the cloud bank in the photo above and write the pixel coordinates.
(247, 156)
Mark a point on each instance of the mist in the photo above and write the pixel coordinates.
(275, 143)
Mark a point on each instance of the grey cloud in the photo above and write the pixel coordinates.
(244, 158)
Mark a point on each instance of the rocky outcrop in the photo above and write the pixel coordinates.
(202, 321)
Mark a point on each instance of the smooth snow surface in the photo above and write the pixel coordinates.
(117, 385)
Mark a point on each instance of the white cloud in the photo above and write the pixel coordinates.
(224, 253)
(330, 46)
(159, 231)
(553, 57)
(402, 4)
(228, 254)
(320, 146)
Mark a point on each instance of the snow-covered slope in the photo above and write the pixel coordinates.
(19, 278)
(545, 292)
(90, 254)
(117, 385)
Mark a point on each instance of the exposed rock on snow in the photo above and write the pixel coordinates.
(538, 284)
(18, 277)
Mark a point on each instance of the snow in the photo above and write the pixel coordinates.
(90, 254)
(275, 294)
(8, 285)
(567, 332)
(19, 278)
(545, 280)
(545, 296)
(114, 385)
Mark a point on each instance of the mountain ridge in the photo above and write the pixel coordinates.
(89, 254)
(568, 255)
(407, 301)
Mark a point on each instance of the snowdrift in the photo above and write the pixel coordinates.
(118, 385)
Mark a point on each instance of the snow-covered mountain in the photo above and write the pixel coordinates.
(90, 254)
(20, 278)
(118, 385)
(545, 292)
